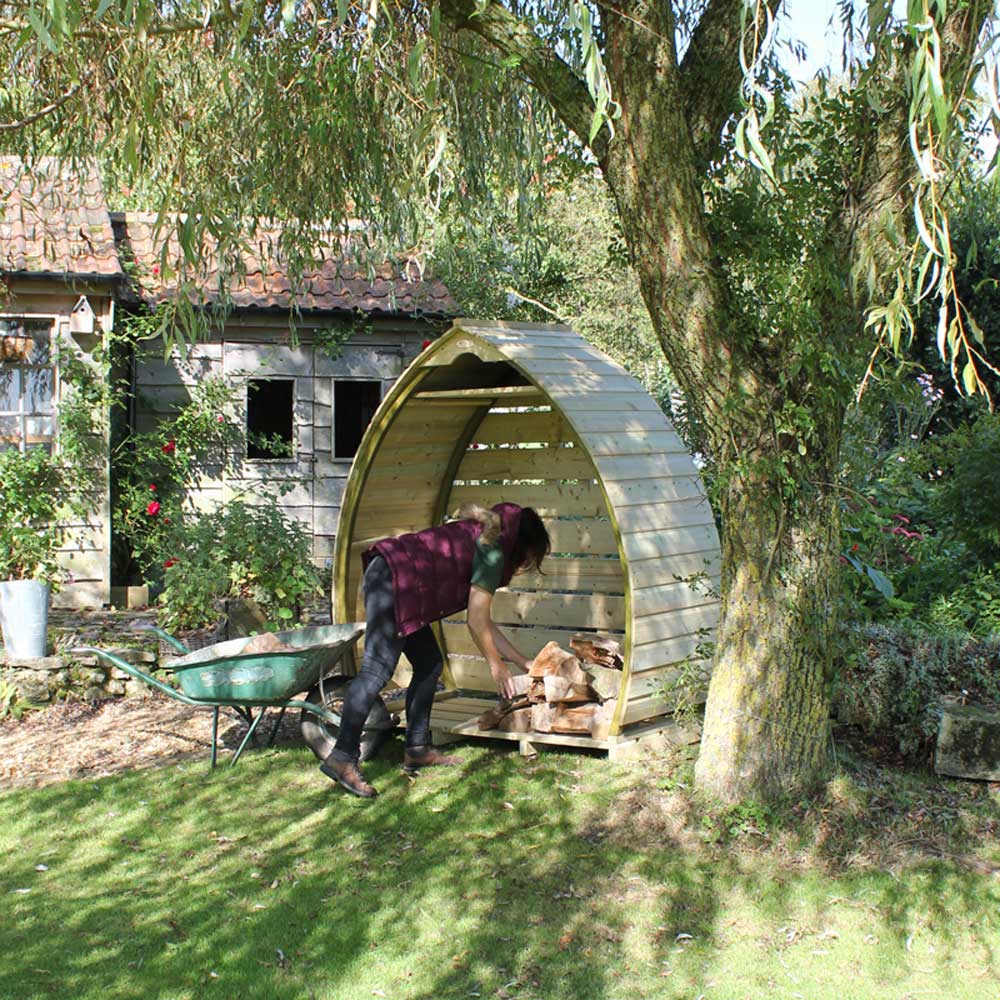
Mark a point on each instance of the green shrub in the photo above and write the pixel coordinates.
(893, 681)
(244, 550)
(155, 470)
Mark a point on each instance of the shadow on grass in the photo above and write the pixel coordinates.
(566, 877)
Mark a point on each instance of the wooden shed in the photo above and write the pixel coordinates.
(534, 414)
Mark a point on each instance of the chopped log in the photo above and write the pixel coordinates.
(607, 683)
(600, 727)
(558, 690)
(553, 660)
(522, 684)
(599, 649)
(549, 659)
(491, 718)
(576, 719)
(518, 721)
(536, 692)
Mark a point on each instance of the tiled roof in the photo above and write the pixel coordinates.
(336, 283)
(54, 220)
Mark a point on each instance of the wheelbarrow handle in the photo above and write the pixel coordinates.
(165, 636)
(139, 675)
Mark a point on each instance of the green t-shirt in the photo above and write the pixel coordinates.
(487, 567)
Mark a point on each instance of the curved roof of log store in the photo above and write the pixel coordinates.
(534, 414)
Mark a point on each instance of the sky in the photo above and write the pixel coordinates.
(809, 21)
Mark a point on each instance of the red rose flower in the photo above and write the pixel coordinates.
(169, 563)
(170, 447)
(153, 508)
(156, 269)
(426, 344)
(152, 486)
(855, 547)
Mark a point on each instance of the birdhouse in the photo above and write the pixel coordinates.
(81, 319)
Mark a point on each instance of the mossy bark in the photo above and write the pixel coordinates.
(767, 729)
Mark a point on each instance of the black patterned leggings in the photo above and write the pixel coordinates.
(383, 648)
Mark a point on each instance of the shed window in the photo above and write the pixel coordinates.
(354, 405)
(27, 384)
(270, 413)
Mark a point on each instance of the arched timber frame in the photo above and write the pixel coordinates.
(533, 414)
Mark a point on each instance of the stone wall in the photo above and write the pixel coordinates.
(71, 676)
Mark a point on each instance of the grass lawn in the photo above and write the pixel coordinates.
(564, 877)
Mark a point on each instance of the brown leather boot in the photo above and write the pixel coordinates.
(415, 758)
(347, 774)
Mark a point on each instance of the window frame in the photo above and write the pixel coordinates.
(380, 382)
(20, 441)
(246, 419)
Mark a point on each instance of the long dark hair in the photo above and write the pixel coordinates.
(533, 543)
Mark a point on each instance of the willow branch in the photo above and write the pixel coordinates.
(554, 79)
(711, 76)
(42, 112)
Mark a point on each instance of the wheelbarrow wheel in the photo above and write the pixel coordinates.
(320, 734)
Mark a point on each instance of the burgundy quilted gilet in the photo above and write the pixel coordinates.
(432, 569)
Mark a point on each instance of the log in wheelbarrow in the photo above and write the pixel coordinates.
(227, 675)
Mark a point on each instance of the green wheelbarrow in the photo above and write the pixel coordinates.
(227, 675)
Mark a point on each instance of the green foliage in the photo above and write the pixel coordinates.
(927, 521)
(155, 469)
(569, 265)
(11, 705)
(896, 674)
(243, 550)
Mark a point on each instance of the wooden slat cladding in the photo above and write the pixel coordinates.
(580, 499)
(513, 427)
(599, 611)
(526, 463)
(574, 573)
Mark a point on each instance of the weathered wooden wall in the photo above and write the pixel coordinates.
(86, 555)
(257, 346)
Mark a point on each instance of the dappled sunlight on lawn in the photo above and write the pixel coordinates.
(562, 877)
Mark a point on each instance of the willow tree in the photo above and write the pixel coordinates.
(779, 243)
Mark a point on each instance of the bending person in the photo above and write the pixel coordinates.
(415, 579)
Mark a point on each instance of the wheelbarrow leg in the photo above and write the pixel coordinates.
(215, 735)
(276, 726)
(249, 735)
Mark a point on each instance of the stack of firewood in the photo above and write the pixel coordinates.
(564, 692)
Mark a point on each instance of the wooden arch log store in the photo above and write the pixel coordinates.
(533, 414)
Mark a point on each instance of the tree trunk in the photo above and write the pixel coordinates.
(767, 729)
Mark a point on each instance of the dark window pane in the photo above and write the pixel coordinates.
(270, 405)
(354, 405)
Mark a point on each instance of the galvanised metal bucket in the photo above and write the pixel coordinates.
(24, 618)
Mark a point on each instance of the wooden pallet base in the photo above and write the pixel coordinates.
(454, 718)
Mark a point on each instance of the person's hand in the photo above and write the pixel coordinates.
(504, 681)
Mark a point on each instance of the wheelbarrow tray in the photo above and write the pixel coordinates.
(223, 674)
